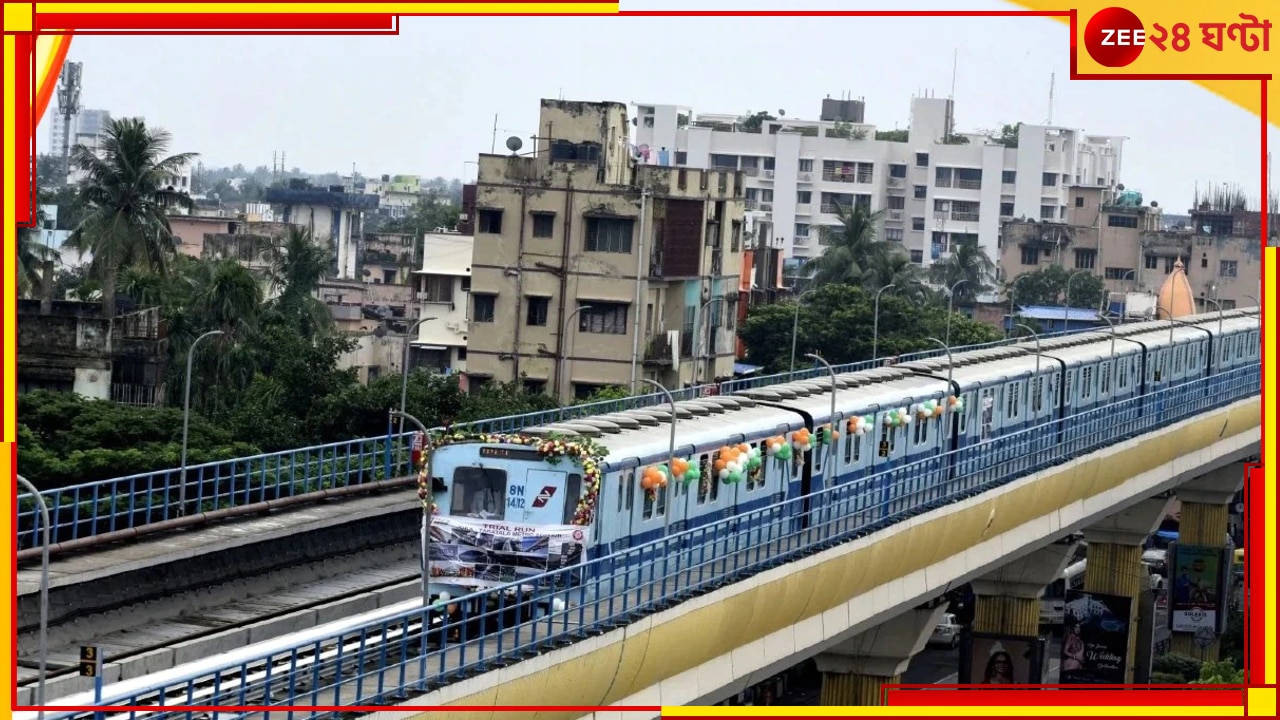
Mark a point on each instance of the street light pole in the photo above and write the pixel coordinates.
(795, 327)
(875, 332)
(427, 451)
(186, 423)
(950, 365)
(832, 428)
(1111, 325)
(564, 348)
(707, 345)
(44, 588)
(1066, 300)
(1255, 301)
(1012, 287)
(1036, 338)
(671, 459)
(951, 294)
(404, 370)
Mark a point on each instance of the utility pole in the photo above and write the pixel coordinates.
(69, 109)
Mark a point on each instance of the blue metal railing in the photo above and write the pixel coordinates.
(133, 501)
(392, 658)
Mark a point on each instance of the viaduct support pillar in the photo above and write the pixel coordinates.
(1007, 601)
(1205, 505)
(1114, 561)
(854, 671)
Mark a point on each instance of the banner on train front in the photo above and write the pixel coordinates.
(490, 553)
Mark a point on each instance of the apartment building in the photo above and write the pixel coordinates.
(592, 270)
(935, 185)
(443, 287)
(1117, 237)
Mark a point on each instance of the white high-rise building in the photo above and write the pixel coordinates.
(87, 124)
(934, 185)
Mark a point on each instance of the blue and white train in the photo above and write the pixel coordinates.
(1001, 391)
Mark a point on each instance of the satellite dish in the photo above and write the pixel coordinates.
(782, 113)
(514, 143)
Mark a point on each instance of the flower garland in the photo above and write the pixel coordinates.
(552, 448)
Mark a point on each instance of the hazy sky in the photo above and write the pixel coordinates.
(424, 102)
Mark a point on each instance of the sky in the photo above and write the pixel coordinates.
(423, 102)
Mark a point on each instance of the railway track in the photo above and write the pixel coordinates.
(162, 633)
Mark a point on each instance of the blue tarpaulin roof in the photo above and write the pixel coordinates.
(745, 369)
(1049, 312)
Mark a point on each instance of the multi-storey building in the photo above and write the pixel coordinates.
(591, 270)
(1116, 237)
(935, 185)
(443, 288)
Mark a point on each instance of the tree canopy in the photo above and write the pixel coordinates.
(1048, 286)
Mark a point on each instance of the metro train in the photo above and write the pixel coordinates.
(937, 415)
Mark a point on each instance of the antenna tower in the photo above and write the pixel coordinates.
(69, 108)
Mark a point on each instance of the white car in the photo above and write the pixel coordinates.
(946, 633)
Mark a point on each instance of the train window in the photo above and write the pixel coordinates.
(625, 480)
(647, 512)
(1068, 376)
(848, 446)
(708, 467)
(962, 419)
(478, 492)
(1086, 383)
(921, 431)
(572, 494)
(661, 508)
(1037, 395)
(1104, 379)
(1013, 404)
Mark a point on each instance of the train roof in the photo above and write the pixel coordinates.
(703, 425)
(856, 399)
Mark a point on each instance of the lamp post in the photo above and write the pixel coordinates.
(706, 346)
(186, 423)
(1036, 338)
(951, 294)
(795, 327)
(1111, 325)
(44, 587)
(1066, 300)
(875, 332)
(1217, 306)
(671, 457)
(426, 504)
(1173, 323)
(564, 349)
(950, 387)
(1014, 286)
(832, 428)
(1255, 302)
(404, 369)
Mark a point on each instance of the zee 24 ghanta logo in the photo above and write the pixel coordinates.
(1115, 37)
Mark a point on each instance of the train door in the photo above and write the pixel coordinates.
(891, 455)
(855, 458)
(540, 499)
(924, 438)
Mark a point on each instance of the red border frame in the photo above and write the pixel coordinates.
(345, 24)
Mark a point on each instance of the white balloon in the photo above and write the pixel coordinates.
(557, 605)
(445, 597)
(724, 473)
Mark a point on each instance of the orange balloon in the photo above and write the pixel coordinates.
(647, 482)
(719, 464)
(744, 447)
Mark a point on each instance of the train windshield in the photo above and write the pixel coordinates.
(521, 494)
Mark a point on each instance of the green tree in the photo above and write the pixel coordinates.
(893, 135)
(1048, 285)
(969, 263)
(1224, 672)
(852, 249)
(753, 122)
(837, 322)
(128, 200)
(298, 264)
(895, 268)
(1008, 136)
(428, 214)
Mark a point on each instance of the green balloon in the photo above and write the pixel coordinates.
(754, 463)
(735, 477)
(784, 452)
(692, 474)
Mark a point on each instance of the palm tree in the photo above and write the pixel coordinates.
(298, 265)
(968, 262)
(128, 197)
(852, 249)
(895, 268)
(32, 254)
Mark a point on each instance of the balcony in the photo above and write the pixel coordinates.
(658, 351)
(751, 204)
(895, 182)
(766, 207)
(751, 171)
(964, 216)
(803, 209)
(805, 177)
(969, 184)
(848, 177)
(768, 175)
(894, 215)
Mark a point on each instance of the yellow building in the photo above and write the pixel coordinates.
(590, 271)
(1122, 241)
